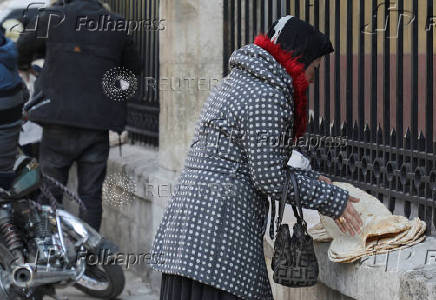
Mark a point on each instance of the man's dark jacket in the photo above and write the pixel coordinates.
(75, 63)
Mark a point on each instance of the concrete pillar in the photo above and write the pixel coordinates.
(191, 54)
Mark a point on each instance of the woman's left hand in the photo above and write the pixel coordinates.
(325, 179)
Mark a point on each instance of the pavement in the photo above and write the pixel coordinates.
(135, 289)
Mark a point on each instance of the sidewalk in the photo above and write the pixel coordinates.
(135, 290)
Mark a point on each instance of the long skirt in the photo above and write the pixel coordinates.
(175, 287)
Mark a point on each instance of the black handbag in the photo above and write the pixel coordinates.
(294, 261)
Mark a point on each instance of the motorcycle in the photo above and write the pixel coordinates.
(43, 247)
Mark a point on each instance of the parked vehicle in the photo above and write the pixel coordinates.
(43, 247)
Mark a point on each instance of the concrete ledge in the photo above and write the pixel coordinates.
(408, 274)
(419, 284)
(130, 225)
(133, 226)
(136, 162)
(399, 275)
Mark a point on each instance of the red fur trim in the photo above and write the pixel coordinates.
(296, 70)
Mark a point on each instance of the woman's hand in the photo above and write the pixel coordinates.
(350, 220)
(325, 179)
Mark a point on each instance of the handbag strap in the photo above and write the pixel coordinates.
(298, 211)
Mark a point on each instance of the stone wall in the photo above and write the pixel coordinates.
(191, 52)
(133, 225)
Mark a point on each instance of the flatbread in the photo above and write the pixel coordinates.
(381, 231)
(319, 233)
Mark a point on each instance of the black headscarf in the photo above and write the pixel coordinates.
(300, 37)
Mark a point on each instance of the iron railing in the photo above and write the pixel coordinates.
(143, 111)
(372, 85)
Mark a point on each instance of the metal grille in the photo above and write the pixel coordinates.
(143, 111)
(375, 93)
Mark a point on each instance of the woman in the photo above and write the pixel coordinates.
(211, 235)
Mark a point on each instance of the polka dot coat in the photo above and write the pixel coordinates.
(213, 228)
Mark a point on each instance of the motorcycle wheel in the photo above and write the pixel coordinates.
(104, 281)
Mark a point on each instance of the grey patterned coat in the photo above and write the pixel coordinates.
(213, 229)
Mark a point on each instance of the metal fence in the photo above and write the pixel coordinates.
(376, 91)
(143, 111)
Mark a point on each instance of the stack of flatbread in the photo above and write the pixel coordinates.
(381, 231)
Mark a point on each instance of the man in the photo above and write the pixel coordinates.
(13, 94)
(73, 109)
